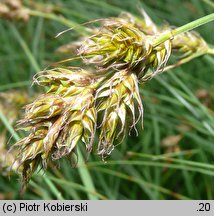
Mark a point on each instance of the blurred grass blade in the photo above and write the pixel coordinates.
(85, 176)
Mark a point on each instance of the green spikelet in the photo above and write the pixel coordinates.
(120, 107)
(189, 43)
(120, 46)
(57, 120)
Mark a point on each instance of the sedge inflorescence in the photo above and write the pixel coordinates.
(101, 104)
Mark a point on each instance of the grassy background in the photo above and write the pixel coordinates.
(153, 165)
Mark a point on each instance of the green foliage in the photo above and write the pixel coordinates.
(152, 165)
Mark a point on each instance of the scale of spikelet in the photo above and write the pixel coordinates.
(120, 108)
(189, 43)
(119, 45)
(144, 23)
(57, 120)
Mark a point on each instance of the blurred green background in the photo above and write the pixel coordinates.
(172, 158)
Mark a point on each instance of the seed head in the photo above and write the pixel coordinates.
(58, 120)
(120, 106)
(184, 44)
(188, 43)
(120, 46)
(78, 103)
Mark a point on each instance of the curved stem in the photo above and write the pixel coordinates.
(184, 28)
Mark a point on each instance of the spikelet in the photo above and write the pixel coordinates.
(184, 45)
(76, 105)
(120, 46)
(189, 43)
(58, 120)
(144, 24)
(126, 42)
(120, 107)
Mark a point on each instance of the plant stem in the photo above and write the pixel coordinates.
(85, 176)
(77, 186)
(4, 119)
(210, 51)
(184, 28)
(26, 49)
(15, 85)
(9, 127)
(53, 188)
(185, 60)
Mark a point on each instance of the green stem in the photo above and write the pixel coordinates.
(53, 188)
(9, 127)
(15, 85)
(77, 186)
(4, 119)
(26, 49)
(185, 60)
(85, 176)
(210, 51)
(184, 28)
